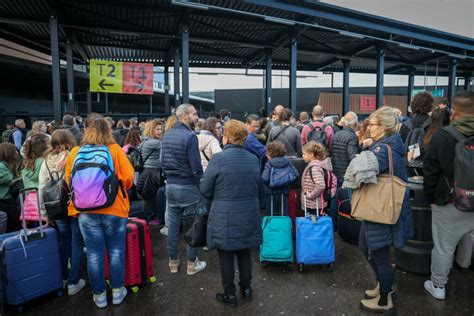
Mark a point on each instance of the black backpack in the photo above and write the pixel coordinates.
(136, 158)
(415, 143)
(318, 134)
(56, 196)
(463, 171)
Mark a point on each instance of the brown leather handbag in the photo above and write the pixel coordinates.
(381, 202)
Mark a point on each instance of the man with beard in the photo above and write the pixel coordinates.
(181, 163)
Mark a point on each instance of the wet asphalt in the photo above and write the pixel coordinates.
(278, 290)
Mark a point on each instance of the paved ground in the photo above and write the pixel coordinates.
(277, 291)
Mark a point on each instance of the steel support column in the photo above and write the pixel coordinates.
(293, 70)
(167, 90)
(151, 103)
(380, 72)
(467, 82)
(70, 78)
(53, 26)
(106, 98)
(411, 85)
(177, 57)
(268, 81)
(89, 101)
(452, 79)
(185, 59)
(345, 86)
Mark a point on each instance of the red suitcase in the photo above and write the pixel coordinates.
(294, 207)
(138, 255)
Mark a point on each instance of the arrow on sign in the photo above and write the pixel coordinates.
(140, 86)
(102, 84)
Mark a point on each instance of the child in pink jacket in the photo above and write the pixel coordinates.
(317, 177)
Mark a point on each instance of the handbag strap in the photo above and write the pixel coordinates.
(54, 172)
(390, 160)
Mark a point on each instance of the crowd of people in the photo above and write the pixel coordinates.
(234, 169)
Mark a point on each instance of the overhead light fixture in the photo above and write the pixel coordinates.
(279, 20)
(190, 4)
(408, 46)
(350, 34)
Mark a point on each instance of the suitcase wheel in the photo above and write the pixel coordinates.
(300, 267)
(330, 267)
(153, 279)
(135, 289)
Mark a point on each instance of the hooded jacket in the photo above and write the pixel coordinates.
(314, 187)
(208, 147)
(381, 235)
(6, 177)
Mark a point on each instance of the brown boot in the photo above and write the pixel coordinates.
(372, 305)
(174, 265)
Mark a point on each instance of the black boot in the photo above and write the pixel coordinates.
(246, 293)
(230, 300)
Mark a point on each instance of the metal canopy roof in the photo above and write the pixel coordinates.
(234, 34)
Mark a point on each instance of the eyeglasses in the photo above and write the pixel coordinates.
(370, 124)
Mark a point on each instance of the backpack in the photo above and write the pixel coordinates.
(136, 159)
(463, 171)
(318, 134)
(414, 143)
(55, 196)
(280, 177)
(120, 135)
(7, 135)
(94, 184)
(330, 182)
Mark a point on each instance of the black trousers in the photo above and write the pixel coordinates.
(12, 209)
(226, 262)
(380, 262)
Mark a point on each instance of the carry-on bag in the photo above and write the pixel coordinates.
(349, 227)
(138, 255)
(277, 243)
(314, 239)
(29, 261)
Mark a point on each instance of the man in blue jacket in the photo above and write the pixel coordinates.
(251, 143)
(181, 163)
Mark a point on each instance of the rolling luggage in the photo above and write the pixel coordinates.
(277, 243)
(299, 164)
(349, 227)
(314, 239)
(137, 210)
(30, 262)
(138, 255)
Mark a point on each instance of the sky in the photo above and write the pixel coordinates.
(453, 16)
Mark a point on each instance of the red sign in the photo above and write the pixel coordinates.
(137, 78)
(369, 103)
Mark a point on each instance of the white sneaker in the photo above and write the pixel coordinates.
(118, 295)
(164, 231)
(196, 266)
(100, 299)
(437, 292)
(73, 289)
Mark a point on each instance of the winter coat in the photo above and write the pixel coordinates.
(6, 177)
(277, 193)
(120, 134)
(208, 145)
(231, 182)
(151, 148)
(31, 177)
(55, 163)
(314, 187)
(290, 137)
(181, 158)
(381, 235)
(328, 131)
(345, 145)
(253, 145)
(417, 120)
(75, 132)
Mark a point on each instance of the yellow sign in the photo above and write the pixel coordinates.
(105, 76)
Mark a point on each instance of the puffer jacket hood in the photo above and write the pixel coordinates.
(204, 139)
(325, 164)
(279, 162)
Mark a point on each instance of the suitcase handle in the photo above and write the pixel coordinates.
(271, 204)
(22, 210)
(305, 207)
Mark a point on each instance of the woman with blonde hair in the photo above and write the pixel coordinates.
(105, 221)
(375, 239)
(150, 151)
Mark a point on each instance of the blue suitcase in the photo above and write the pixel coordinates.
(277, 243)
(314, 240)
(30, 263)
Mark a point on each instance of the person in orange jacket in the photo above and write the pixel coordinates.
(107, 225)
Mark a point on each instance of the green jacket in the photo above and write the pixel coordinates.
(31, 177)
(6, 177)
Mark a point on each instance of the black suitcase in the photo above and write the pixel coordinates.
(299, 164)
(349, 227)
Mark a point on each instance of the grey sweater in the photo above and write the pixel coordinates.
(290, 137)
(151, 147)
(362, 169)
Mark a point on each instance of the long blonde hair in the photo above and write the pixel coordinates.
(98, 131)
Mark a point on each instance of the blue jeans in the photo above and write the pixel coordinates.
(182, 199)
(71, 247)
(103, 232)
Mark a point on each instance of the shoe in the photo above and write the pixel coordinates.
(164, 231)
(118, 295)
(437, 292)
(73, 289)
(246, 293)
(372, 305)
(460, 269)
(196, 266)
(229, 300)
(100, 299)
(376, 292)
(154, 222)
(205, 248)
(174, 265)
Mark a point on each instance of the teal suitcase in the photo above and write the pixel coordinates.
(277, 243)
